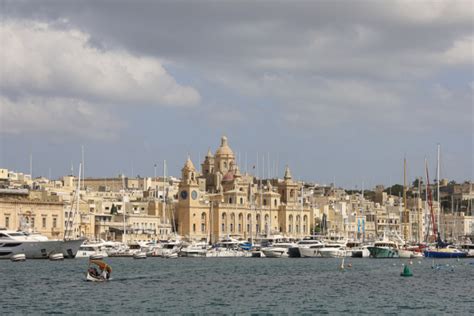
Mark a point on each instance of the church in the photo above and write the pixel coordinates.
(220, 201)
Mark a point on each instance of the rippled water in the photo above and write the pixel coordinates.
(242, 285)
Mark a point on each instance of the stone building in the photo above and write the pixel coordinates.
(221, 202)
(33, 211)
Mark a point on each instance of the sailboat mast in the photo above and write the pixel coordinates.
(437, 189)
(405, 212)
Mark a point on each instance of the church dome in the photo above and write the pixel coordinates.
(224, 149)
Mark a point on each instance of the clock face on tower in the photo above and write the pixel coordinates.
(194, 195)
(184, 194)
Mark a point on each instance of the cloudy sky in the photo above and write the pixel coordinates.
(338, 90)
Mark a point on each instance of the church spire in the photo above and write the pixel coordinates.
(287, 173)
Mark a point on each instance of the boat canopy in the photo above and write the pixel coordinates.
(102, 265)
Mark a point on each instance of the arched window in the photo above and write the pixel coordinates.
(194, 228)
(203, 222)
(264, 201)
(232, 222)
(257, 225)
(275, 202)
(241, 222)
(224, 222)
(292, 193)
(230, 200)
(225, 164)
(241, 200)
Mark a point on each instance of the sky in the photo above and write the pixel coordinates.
(340, 91)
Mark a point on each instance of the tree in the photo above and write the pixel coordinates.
(417, 182)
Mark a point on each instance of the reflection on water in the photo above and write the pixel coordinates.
(240, 285)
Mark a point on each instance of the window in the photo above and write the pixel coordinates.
(223, 227)
(230, 200)
(240, 228)
(203, 227)
(264, 201)
(194, 228)
(275, 202)
(241, 200)
(55, 222)
(32, 222)
(232, 227)
(7, 221)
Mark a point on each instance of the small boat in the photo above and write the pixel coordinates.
(139, 255)
(19, 257)
(93, 275)
(56, 256)
(448, 252)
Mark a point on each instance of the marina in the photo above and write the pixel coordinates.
(240, 285)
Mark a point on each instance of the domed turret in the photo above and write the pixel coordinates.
(224, 157)
(224, 148)
(189, 166)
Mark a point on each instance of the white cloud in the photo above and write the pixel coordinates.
(57, 117)
(39, 59)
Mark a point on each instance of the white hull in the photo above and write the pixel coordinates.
(226, 253)
(360, 253)
(310, 252)
(275, 252)
(139, 255)
(332, 253)
(193, 253)
(56, 257)
(93, 279)
(70, 247)
(32, 249)
(18, 257)
(91, 254)
(408, 254)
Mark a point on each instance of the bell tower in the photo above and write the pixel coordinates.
(288, 189)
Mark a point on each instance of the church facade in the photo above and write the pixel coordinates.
(219, 202)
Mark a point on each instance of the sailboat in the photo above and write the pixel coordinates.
(441, 250)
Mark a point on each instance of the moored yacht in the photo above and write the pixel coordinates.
(384, 249)
(332, 250)
(34, 246)
(197, 249)
(307, 242)
(92, 251)
(277, 250)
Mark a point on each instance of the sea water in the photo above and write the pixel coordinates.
(239, 285)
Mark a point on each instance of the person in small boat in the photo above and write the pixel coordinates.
(93, 272)
(105, 274)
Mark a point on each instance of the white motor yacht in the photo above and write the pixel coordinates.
(32, 246)
(307, 242)
(332, 251)
(92, 251)
(278, 250)
(198, 249)
(311, 251)
(355, 249)
(167, 249)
